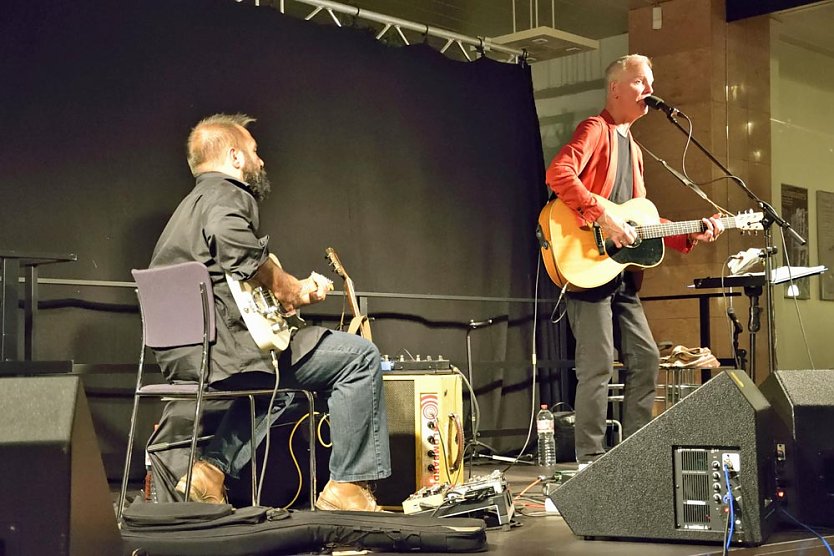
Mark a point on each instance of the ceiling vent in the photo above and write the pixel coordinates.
(542, 42)
(545, 43)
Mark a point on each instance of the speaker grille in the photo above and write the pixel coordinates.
(695, 486)
(694, 460)
(399, 402)
(696, 514)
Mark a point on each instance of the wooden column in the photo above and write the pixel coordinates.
(718, 74)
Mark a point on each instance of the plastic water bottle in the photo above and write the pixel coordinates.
(547, 437)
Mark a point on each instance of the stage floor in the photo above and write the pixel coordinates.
(535, 532)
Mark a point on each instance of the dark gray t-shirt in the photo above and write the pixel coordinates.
(624, 180)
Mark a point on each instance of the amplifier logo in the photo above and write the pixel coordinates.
(429, 409)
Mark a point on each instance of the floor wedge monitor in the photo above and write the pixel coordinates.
(667, 481)
(804, 402)
(56, 498)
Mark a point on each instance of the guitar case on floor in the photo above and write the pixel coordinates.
(192, 528)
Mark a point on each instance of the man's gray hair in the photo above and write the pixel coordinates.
(619, 65)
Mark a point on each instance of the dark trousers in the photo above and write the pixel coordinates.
(592, 323)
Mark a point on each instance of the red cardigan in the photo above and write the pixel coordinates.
(588, 164)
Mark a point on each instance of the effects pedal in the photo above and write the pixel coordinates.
(484, 496)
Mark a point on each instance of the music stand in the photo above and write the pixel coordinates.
(753, 284)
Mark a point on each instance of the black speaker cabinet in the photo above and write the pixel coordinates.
(665, 481)
(55, 498)
(804, 402)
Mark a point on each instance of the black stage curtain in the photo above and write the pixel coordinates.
(424, 174)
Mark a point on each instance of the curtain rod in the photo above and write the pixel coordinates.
(479, 42)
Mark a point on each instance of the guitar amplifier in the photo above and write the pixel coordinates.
(425, 414)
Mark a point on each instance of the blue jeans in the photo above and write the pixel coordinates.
(344, 369)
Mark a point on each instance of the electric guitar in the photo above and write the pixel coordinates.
(268, 323)
(582, 258)
(359, 324)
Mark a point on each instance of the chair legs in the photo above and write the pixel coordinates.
(311, 408)
(256, 493)
(311, 412)
(130, 437)
(193, 449)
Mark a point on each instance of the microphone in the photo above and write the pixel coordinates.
(734, 319)
(659, 104)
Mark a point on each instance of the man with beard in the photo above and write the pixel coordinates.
(217, 225)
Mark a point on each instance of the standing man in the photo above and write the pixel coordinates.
(217, 224)
(602, 158)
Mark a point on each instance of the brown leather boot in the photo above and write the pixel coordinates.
(353, 497)
(206, 484)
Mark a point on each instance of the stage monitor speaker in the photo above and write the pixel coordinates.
(804, 402)
(665, 482)
(425, 432)
(55, 498)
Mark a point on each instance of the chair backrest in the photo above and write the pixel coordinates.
(172, 305)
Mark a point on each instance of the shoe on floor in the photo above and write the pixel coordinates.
(206, 484)
(353, 497)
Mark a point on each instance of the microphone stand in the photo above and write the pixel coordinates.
(770, 217)
(475, 443)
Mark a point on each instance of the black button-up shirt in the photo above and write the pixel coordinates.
(217, 224)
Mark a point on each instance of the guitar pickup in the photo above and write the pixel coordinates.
(598, 239)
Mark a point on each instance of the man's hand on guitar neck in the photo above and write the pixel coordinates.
(616, 229)
(712, 229)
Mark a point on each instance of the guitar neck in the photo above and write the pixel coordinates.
(351, 297)
(666, 229)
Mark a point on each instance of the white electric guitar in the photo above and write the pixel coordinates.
(269, 324)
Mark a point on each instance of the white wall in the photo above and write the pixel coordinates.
(570, 89)
(802, 131)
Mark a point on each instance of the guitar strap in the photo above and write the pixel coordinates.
(356, 324)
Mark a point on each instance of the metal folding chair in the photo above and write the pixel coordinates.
(177, 307)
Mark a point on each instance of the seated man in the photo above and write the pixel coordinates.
(217, 225)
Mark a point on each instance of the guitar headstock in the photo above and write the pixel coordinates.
(749, 221)
(335, 263)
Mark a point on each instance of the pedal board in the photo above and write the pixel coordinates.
(482, 495)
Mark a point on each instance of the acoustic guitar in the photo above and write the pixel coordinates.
(359, 324)
(581, 257)
(268, 323)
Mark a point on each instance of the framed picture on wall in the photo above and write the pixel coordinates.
(825, 242)
(795, 211)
